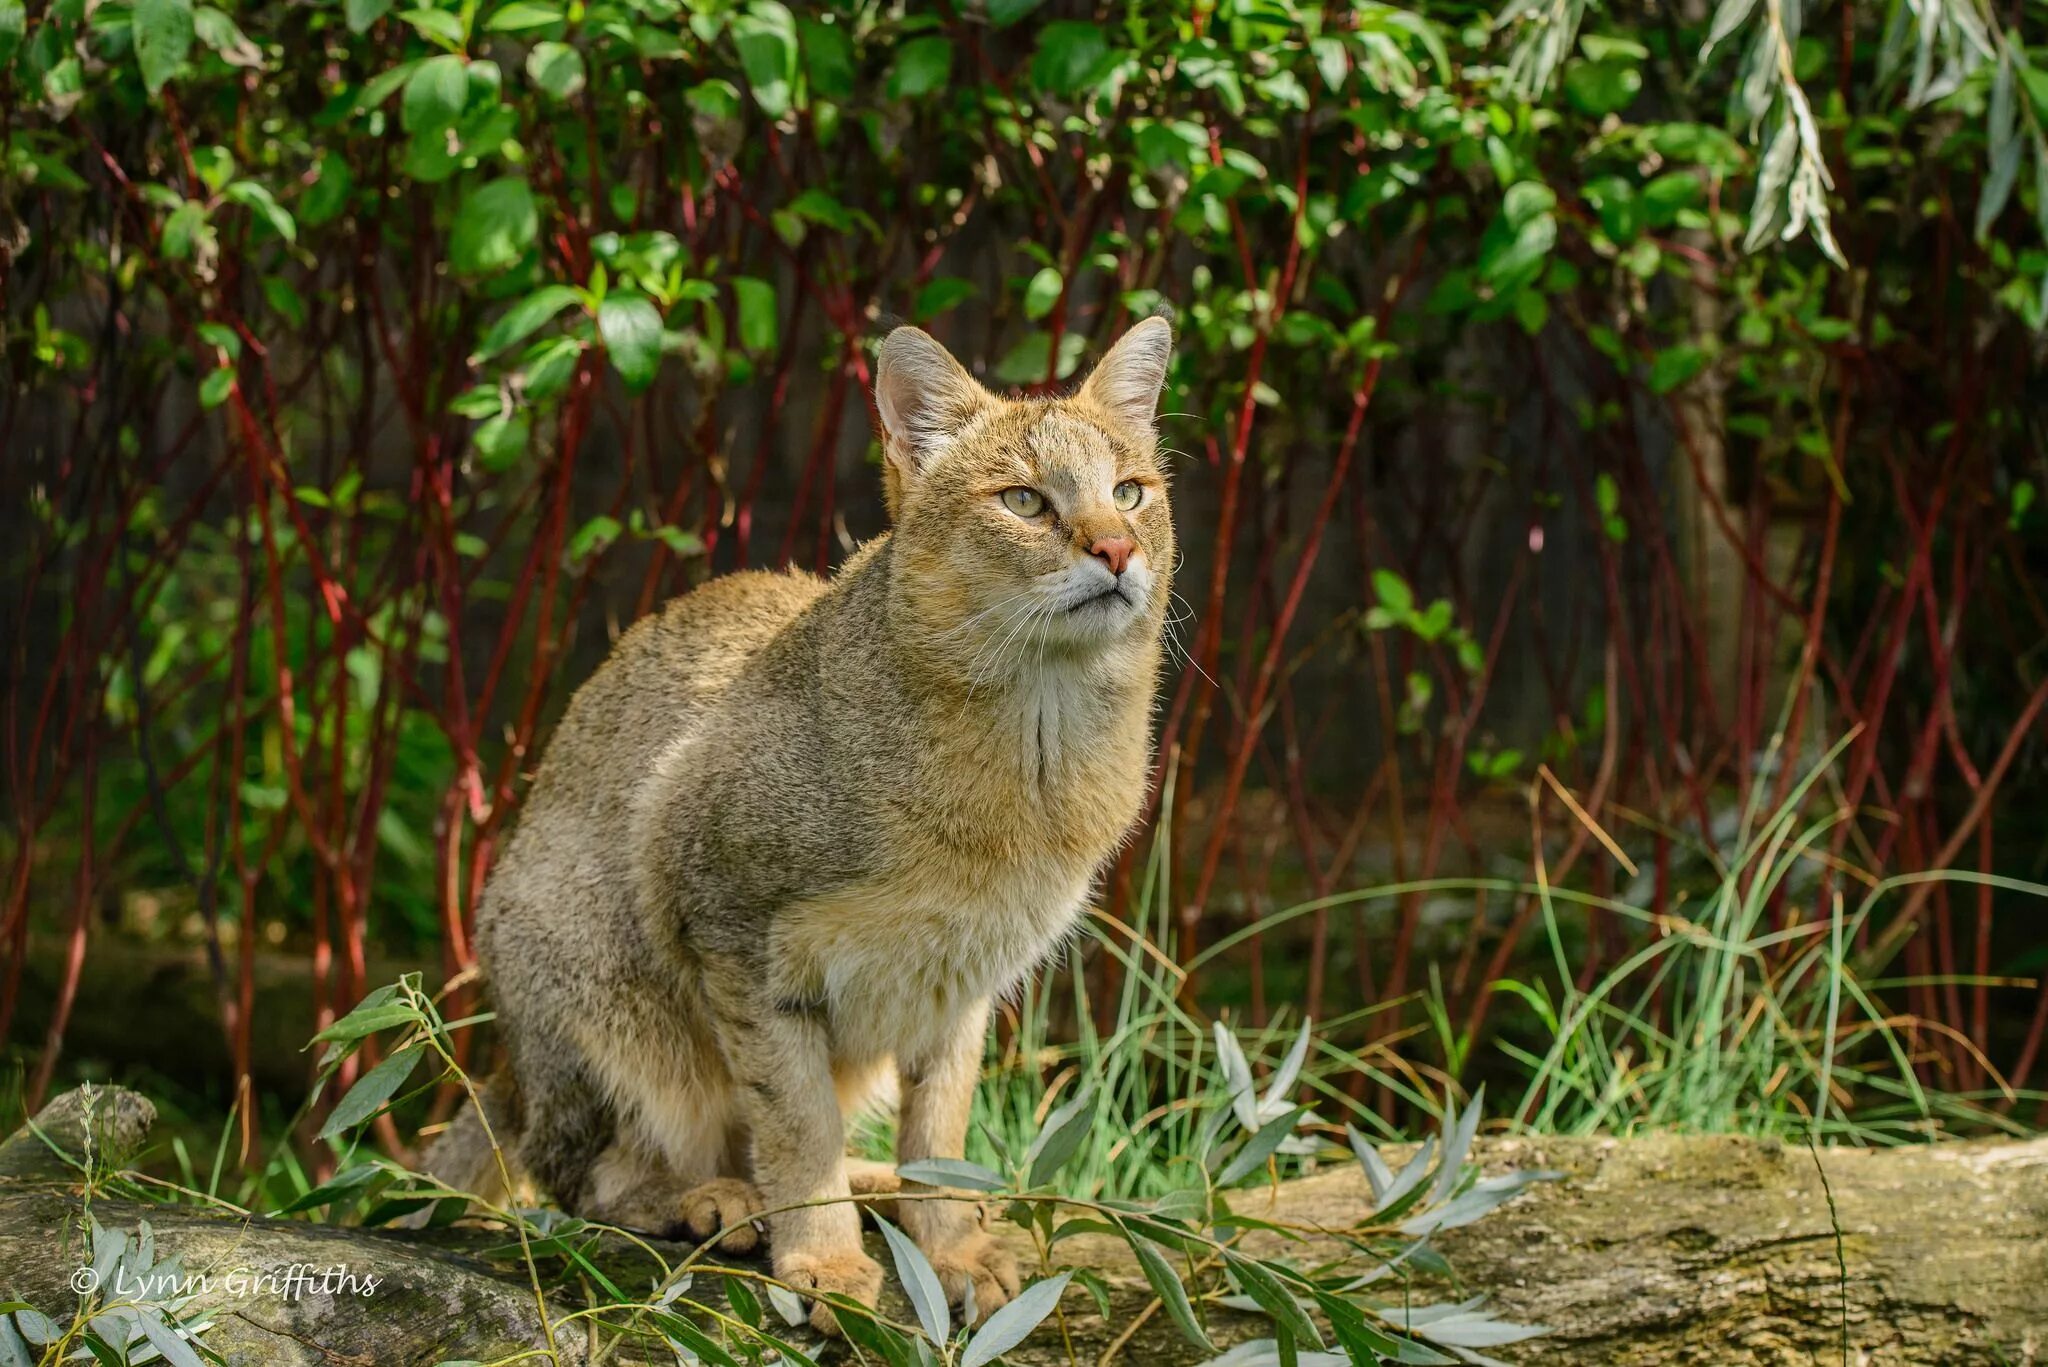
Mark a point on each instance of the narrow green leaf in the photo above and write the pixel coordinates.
(1166, 1285)
(920, 1283)
(371, 1091)
(523, 319)
(368, 1018)
(1257, 1149)
(343, 1184)
(1275, 1298)
(1012, 1324)
(951, 1172)
(1059, 1139)
(258, 200)
(522, 14)
(176, 1350)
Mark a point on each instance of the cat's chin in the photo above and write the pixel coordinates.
(1095, 624)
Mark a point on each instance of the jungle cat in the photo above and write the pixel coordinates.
(796, 833)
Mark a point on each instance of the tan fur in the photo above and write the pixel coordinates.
(796, 835)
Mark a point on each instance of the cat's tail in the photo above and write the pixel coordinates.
(463, 1156)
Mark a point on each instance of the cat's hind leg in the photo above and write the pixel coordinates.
(634, 1186)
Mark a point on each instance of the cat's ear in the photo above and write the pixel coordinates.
(1127, 381)
(924, 397)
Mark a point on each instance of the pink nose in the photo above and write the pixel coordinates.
(1113, 551)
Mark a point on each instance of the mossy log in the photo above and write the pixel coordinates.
(1656, 1250)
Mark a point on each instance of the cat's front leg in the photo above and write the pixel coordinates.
(938, 1095)
(781, 1065)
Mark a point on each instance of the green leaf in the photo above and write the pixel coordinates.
(1003, 13)
(592, 537)
(219, 32)
(1029, 361)
(500, 441)
(437, 25)
(371, 1091)
(1674, 366)
(176, 1350)
(523, 319)
(922, 66)
(951, 1172)
(549, 365)
(1043, 292)
(522, 14)
(257, 199)
(1268, 1137)
(162, 31)
(678, 541)
(684, 1334)
(1166, 1285)
(766, 39)
(370, 1017)
(938, 296)
(1069, 56)
(828, 59)
(496, 224)
(1275, 1298)
(478, 401)
(13, 28)
(1059, 1139)
(345, 1183)
(556, 68)
(631, 328)
(1012, 1324)
(1331, 63)
(755, 300)
(435, 94)
(1393, 592)
(279, 294)
(328, 195)
(1515, 244)
(360, 14)
(213, 390)
(1597, 89)
(920, 1283)
(865, 1333)
(222, 336)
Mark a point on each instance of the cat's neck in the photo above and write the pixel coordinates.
(1036, 721)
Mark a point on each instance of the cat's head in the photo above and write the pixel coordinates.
(1028, 529)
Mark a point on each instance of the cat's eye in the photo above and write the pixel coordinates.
(1024, 502)
(1127, 495)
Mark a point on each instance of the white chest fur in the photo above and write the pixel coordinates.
(895, 964)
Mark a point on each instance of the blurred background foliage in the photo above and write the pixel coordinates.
(1607, 439)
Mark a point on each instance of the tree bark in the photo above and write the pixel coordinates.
(1651, 1251)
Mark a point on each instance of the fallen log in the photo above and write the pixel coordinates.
(1654, 1250)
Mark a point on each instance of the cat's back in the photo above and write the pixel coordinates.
(672, 668)
(669, 668)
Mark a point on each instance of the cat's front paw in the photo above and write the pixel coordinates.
(847, 1273)
(724, 1203)
(976, 1260)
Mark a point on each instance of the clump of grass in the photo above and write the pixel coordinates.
(1737, 1017)
(1738, 1020)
